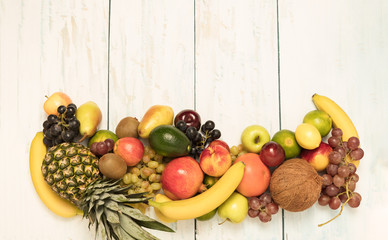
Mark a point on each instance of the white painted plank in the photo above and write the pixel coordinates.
(236, 86)
(152, 62)
(338, 49)
(45, 46)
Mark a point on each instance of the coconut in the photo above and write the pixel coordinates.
(295, 185)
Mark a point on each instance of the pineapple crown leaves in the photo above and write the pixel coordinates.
(106, 204)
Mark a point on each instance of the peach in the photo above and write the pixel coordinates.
(130, 149)
(181, 178)
(215, 160)
(219, 142)
(318, 157)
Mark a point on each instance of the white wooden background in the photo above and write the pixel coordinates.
(235, 62)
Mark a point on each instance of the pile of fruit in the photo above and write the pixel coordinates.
(182, 169)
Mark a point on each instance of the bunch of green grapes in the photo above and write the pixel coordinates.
(237, 151)
(145, 176)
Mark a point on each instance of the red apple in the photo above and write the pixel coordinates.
(318, 157)
(181, 178)
(215, 160)
(272, 154)
(130, 149)
(219, 142)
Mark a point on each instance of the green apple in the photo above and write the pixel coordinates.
(254, 137)
(234, 209)
(207, 216)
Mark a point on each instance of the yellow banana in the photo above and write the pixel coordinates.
(50, 198)
(162, 198)
(340, 118)
(205, 202)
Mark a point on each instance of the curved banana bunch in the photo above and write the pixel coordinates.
(50, 198)
(339, 117)
(205, 202)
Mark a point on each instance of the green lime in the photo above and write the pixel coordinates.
(209, 181)
(321, 120)
(286, 139)
(102, 135)
(207, 216)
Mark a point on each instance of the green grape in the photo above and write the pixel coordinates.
(153, 164)
(127, 178)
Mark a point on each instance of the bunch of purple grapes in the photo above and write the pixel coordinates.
(200, 136)
(339, 181)
(262, 207)
(63, 127)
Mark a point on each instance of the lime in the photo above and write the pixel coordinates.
(308, 136)
(209, 181)
(102, 135)
(207, 216)
(319, 119)
(286, 139)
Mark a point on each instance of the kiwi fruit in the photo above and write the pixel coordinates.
(112, 166)
(127, 127)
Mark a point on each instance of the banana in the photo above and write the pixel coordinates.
(50, 198)
(162, 198)
(205, 202)
(340, 118)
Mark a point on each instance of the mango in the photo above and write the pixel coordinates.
(89, 115)
(155, 116)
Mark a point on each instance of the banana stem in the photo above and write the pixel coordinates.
(154, 204)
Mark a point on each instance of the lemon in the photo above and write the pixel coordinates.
(286, 139)
(308, 136)
(319, 119)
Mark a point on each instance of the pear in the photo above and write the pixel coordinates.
(155, 116)
(89, 115)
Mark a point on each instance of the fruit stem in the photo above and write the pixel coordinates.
(339, 214)
(83, 138)
(223, 222)
(343, 205)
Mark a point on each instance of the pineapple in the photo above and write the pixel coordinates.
(72, 171)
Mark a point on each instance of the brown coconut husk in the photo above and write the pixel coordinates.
(295, 185)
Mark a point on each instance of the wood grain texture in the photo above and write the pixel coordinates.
(44, 47)
(152, 63)
(218, 57)
(236, 86)
(339, 49)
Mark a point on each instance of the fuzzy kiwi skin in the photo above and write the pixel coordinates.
(112, 166)
(127, 127)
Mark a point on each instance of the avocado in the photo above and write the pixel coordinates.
(169, 141)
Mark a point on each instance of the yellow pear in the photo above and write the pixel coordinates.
(155, 116)
(89, 115)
